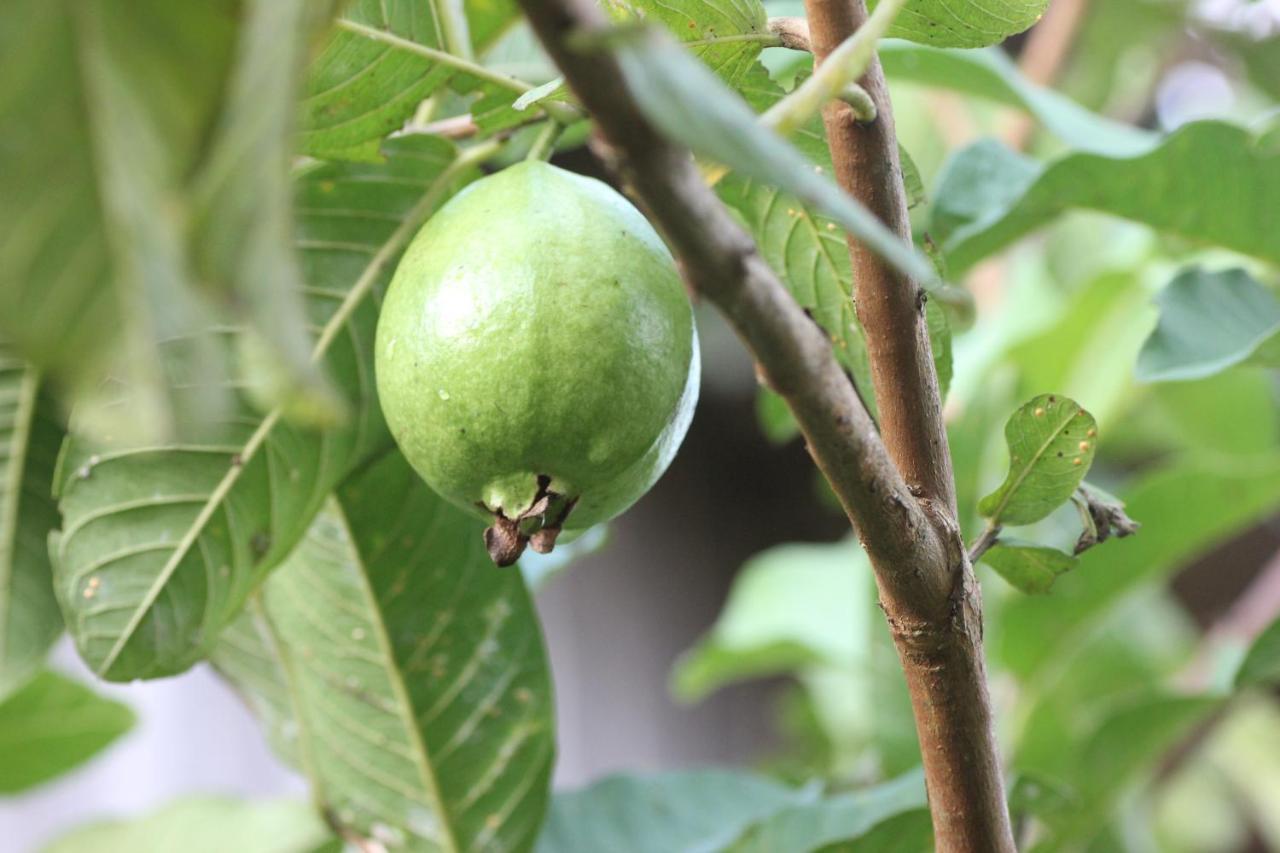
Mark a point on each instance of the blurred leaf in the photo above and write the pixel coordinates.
(947, 24)
(992, 75)
(1028, 567)
(370, 76)
(161, 544)
(1051, 445)
(719, 32)
(52, 725)
(908, 832)
(205, 825)
(489, 20)
(1037, 795)
(776, 420)
(682, 812)
(1209, 321)
(415, 671)
(108, 105)
(1186, 509)
(1233, 412)
(839, 819)
(790, 607)
(691, 106)
(1208, 182)
(243, 229)
(29, 437)
(983, 177)
(1261, 665)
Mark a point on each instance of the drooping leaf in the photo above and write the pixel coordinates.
(205, 825)
(791, 607)
(1209, 182)
(29, 437)
(145, 193)
(719, 32)
(107, 106)
(1261, 665)
(50, 726)
(947, 24)
(1210, 321)
(1185, 510)
(417, 682)
(691, 106)
(161, 544)
(1028, 567)
(842, 820)
(990, 74)
(1051, 445)
(683, 812)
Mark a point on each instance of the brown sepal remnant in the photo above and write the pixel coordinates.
(537, 526)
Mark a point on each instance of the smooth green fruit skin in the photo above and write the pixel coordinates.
(537, 326)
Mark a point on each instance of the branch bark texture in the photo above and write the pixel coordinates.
(902, 512)
(942, 654)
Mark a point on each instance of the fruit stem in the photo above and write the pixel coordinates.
(545, 144)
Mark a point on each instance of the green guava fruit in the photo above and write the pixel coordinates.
(536, 355)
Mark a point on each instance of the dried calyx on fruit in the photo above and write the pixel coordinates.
(536, 356)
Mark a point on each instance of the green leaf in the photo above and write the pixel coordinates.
(1028, 567)
(154, 139)
(727, 35)
(108, 104)
(1209, 321)
(379, 63)
(1208, 182)
(843, 819)
(29, 437)
(1185, 510)
(1051, 444)
(691, 106)
(52, 725)
(685, 812)
(990, 74)
(791, 607)
(161, 544)
(948, 24)
(1261, 665)
(1233, 413)
(417, 680)
(205, 825)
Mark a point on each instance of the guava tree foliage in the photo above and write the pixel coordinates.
(202, 206)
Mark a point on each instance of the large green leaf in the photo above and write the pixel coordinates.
(990, 74)
(684, 812)
(205, 825)
(1051, 445)
(1209, 182)
(950, 24)
(1210, 321)
(29, 437)
(143, 188)
(416, 684)
(692, 106)
(161, 544)
(52, 725)
(1185, 510)
(727, 35)
(843, 819)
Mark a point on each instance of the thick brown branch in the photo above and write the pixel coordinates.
(720, 262)
(942, 658)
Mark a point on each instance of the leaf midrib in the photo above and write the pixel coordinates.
(1014, 486)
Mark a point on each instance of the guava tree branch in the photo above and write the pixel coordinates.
(946, 672)
(721, 263)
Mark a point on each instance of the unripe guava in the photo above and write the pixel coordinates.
(536, 355)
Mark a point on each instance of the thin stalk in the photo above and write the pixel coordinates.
(545, 144)
(843, 66)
